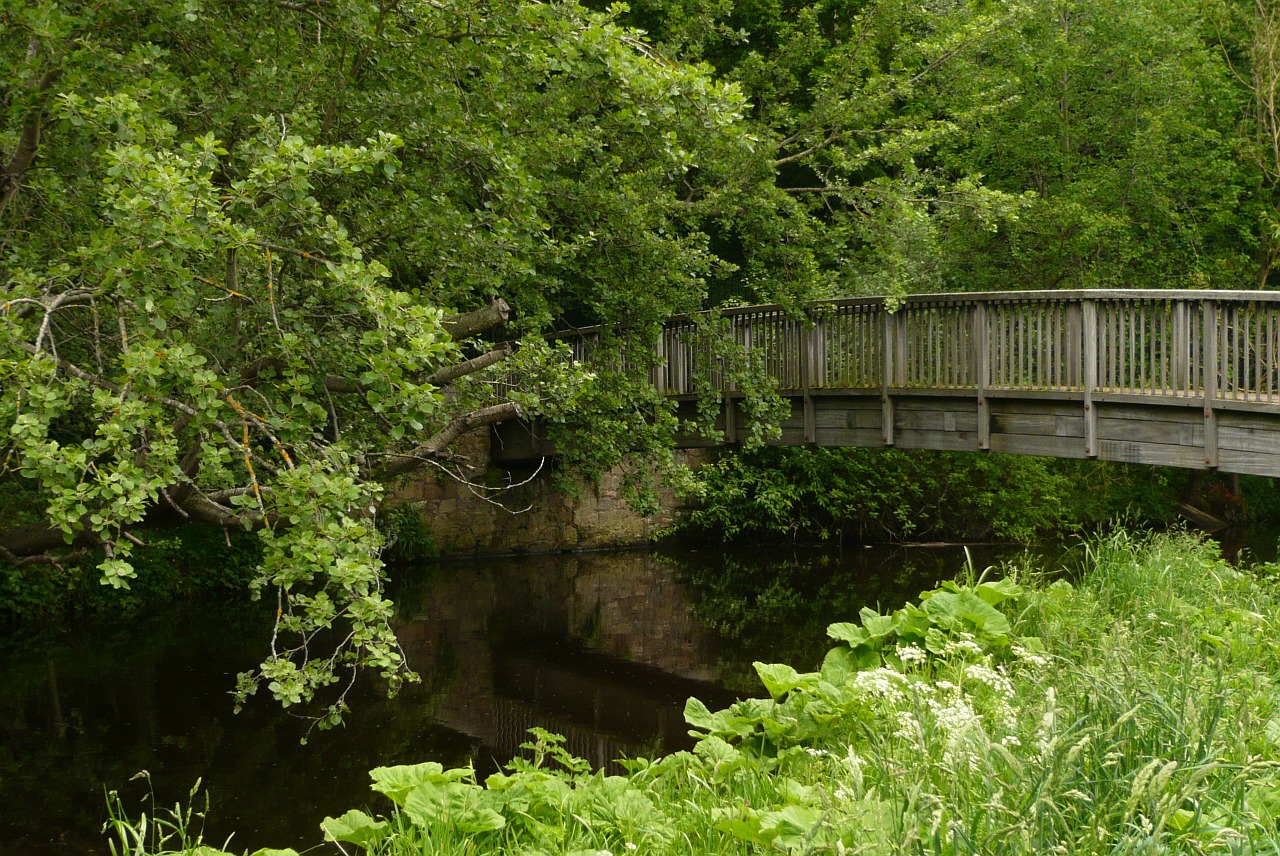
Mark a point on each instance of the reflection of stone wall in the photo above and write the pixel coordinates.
(603, 648)
(464, 523)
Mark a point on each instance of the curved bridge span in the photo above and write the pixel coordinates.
(1178, 378)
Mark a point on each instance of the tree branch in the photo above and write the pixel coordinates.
(24, 153)
(472, 323)
(404, 462)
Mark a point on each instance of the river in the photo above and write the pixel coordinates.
(604, 648)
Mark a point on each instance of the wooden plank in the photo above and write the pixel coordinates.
(842, 412)
(946, 420)
(859, 437)
(1156, 454)
(980, 369)
(1133, 413)
(1241, 438)
(1251, 463)
(935, 405)
(1089, 323)
(1033, 444)
(888, 358)
(946, 441)
(1035, 406)
(1210, 351)
(1040, 424)
(1133, 431)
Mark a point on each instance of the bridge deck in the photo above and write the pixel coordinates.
(1178, 378)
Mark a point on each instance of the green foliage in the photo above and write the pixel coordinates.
(159, 830)
(227, 278)
(828, 493)
(232, 237)
(408, 538)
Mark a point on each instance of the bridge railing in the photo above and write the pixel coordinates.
(1217, 346)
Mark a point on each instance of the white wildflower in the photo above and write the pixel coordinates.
(908, 727)
(986, 675)
(957, 717)
(881, 683)
(962, 646)
(911, 654)
(1027, 658)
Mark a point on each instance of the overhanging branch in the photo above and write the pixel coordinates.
(404, 462)
(474, 323)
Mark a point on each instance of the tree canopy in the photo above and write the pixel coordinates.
(261, 259)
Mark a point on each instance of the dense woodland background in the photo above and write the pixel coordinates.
(241, 241)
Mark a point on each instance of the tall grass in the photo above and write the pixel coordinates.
(1136, 711)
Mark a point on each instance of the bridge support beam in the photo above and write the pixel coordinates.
(982, 373)
(890, 359)
(1210, 313)
(1089, 355)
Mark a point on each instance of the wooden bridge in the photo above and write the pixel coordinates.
(1177, 378)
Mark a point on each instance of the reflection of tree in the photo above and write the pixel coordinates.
(111, 701)
(502, 646)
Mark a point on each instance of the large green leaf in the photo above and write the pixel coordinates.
(397, 782)
(780, 679)
(965, 611)
(355, 827)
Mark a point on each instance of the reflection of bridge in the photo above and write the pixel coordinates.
(1180, 378)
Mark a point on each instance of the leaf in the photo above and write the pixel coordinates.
(699, 716)
(397, 782)
(845, 631)
(742, 822)
(790, 825)
(355, 827)
(877, 626)
(780, 679)
(997, 592)
(964, 610)
(841, 664)
(722, 756)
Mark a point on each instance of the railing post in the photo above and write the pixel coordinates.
(1181, 347)
(981, 369)
(1209, 311)
(888, 360)
(806, 380)
(1089, 371)
(660, 363)
(1073, 367)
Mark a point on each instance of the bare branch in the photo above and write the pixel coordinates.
(471, 366)
(473, 323)
(405, 462)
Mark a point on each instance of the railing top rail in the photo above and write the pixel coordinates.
(961, 298)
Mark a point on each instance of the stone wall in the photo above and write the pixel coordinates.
(534, 516)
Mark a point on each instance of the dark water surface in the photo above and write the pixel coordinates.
(603, 648)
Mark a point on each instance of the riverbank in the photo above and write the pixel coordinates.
(1132, 711)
